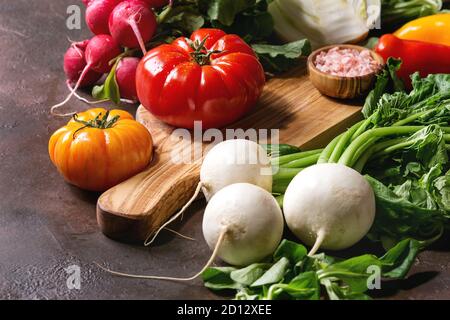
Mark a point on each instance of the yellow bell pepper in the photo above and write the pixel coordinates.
(433, 29)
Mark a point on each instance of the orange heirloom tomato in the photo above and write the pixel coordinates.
(98, 149)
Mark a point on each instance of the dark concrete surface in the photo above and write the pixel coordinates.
(47, 225)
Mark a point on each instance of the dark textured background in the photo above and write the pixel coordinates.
(47, 225)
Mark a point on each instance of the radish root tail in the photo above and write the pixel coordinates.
(72, 92)
(151, 238)
(318, 243)
(84, 99)
(206, 266)
(180, 234)
(134, 25)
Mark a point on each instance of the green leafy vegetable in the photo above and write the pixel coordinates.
(280, 58)
(250, 274)
(110, 89)
(386, 79)
(294, 275)
(220, 278)
(225, 11)
(398, 260)
(292, 251)
(274, 275)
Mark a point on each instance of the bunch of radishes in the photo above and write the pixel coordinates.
(119, 26)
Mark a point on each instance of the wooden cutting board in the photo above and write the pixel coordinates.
(132, 210)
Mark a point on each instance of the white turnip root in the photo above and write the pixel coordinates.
(242, 224)
(329, 206)
(126, 77)
(229, 162)
(97, 15)
(251, 220)
(99, 52)
(75, 62)
(235, 161)
(132, 23)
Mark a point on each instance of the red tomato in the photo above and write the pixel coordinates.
(217, 83)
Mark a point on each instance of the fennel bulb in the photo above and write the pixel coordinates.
(324, 22)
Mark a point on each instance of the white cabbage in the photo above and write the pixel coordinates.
(324, 22)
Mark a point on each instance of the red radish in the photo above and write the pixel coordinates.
(75, 62)
(86, 2)
(126, 77)
(97, 15)
(132, 23)
(99, 52)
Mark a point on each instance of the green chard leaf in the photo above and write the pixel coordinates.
(254, 23)
(393, 65)
(388, 77)
(305, 286)
(248, 275)
(219, 278)
(225, 11)
(275, 274)
(183, 18)
(337, 292)
(399, 218)
(354, 271)
(399, 259)
(280, 58)
(292, 251)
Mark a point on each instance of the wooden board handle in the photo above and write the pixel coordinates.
(129, 211)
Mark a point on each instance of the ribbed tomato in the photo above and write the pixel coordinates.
(98, 149)
(213, 77)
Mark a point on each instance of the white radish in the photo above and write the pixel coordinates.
(235, 161)
(329, 206)
(242, 224)
(251, 220)
(229, 162)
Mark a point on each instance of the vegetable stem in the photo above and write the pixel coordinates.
(286, 173)
(294, 156)
(343, 142)
(364, 141)
(303, 162)
(326, 153)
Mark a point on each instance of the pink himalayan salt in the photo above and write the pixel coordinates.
(346, 62)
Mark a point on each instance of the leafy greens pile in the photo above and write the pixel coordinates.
(293, 275)
(247, 18)
(410, 174)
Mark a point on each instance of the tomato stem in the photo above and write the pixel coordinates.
(98, 122)
(201, 55)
